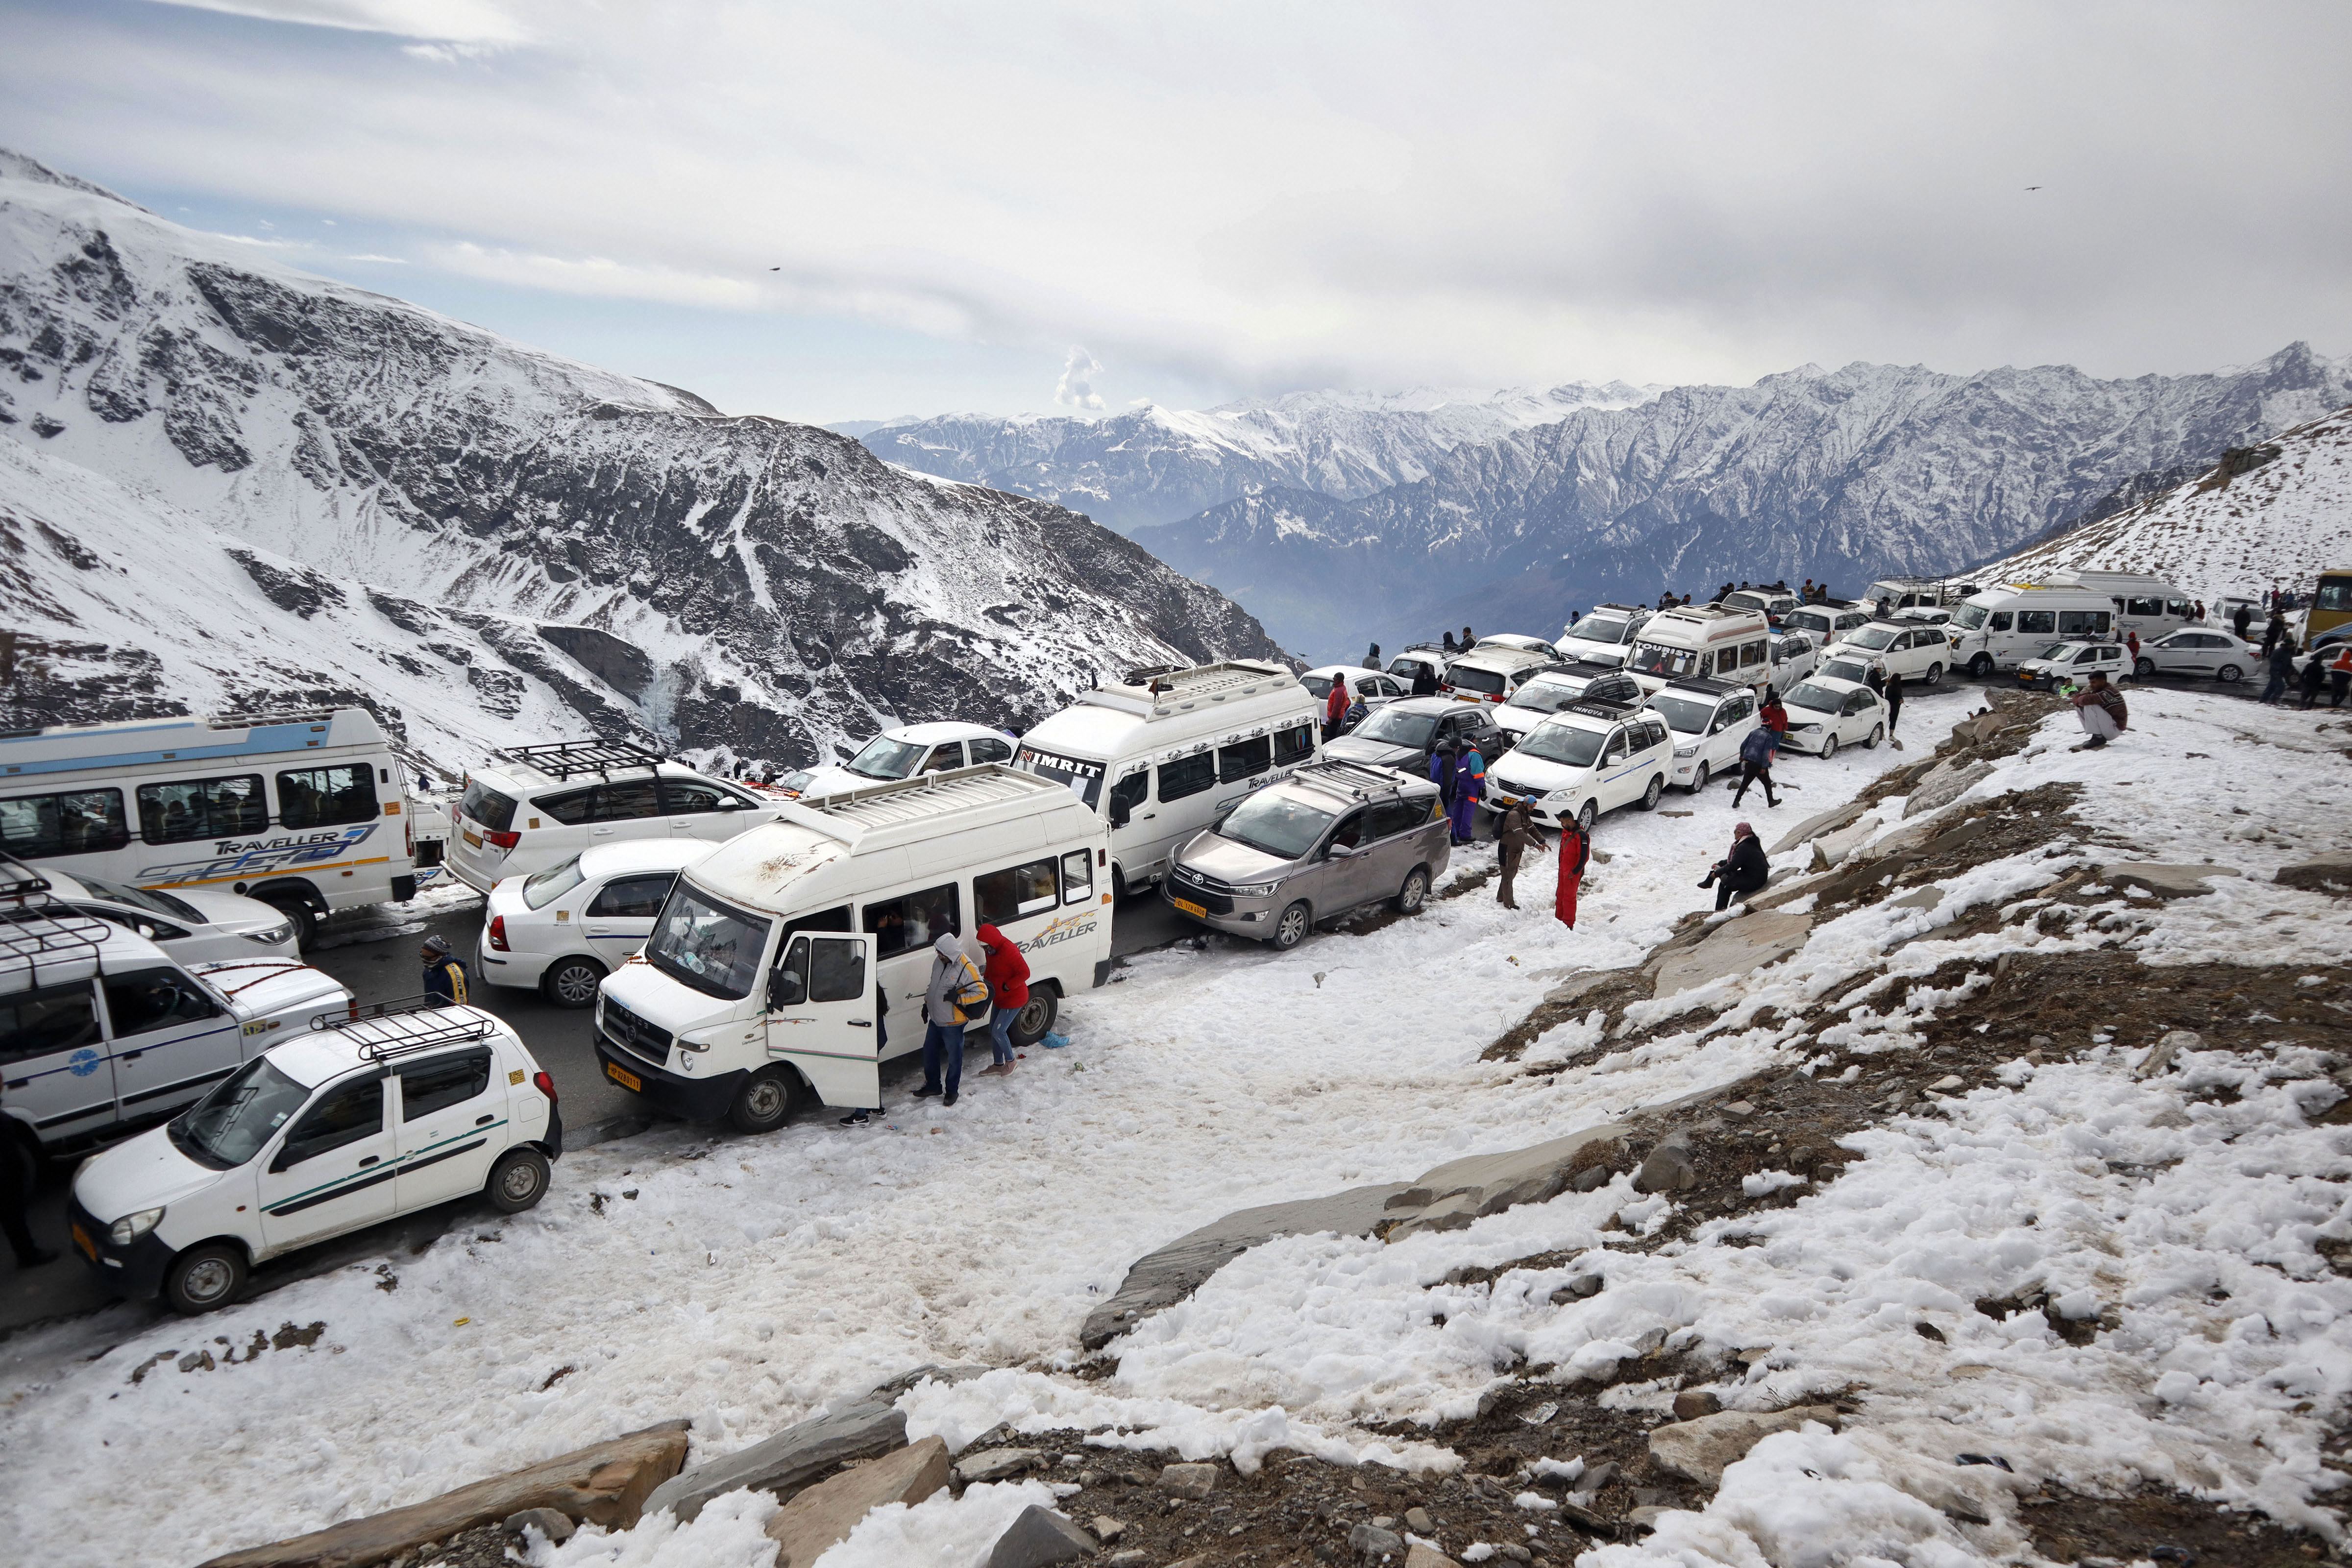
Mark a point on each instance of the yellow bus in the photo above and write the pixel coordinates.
(2331, 602)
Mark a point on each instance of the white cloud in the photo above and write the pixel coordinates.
(474, 21)
(1076, 387)
(596, 275)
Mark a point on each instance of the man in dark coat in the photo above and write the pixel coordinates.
(1893, 696)
(1742, 872)
(1756, 763)
(1441, 774)
(445, 975)
(1424, 681)
(1513, 834)
(2241, 620)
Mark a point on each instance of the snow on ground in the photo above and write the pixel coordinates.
(743, 1282)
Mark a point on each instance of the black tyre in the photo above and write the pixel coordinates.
(1699, 779)
(1877, 734)
(1829, 747)
(1650, 797)
(2229, 674)
(764, 1101)
(305, 918)
(1415, 891)
(1036, 1020)
(1980, 666)
(1290, 927)
(1118, 888)
(571, 982)
(1935, 676)
(204, 1278)
(518, 1180)
(1585, 815)
(2143, 668)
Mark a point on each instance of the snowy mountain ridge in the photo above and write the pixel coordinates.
(744, 583)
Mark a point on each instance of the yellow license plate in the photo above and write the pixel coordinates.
(624, 1078)
(1187, 906)
(81, 1240)
(473, 839)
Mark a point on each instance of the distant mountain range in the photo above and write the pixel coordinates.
(226, 484)
(1393, 522)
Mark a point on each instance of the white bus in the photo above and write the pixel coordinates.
(791, 962)
(304, 812)
(1700, 642)
(2010, 621)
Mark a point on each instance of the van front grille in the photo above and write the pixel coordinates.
(626, 1029)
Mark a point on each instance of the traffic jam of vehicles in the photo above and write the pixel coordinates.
(751, 952)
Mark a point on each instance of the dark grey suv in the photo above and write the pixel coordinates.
(1331, 838)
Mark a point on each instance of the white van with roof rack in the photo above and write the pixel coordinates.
(791, 962)
(537, 807)
(359, 1119)
(102, 1032)
(1163, 756)
(305, 812)
(1699, 641)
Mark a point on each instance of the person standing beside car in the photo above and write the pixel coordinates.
(2339, 676)
(444, 973)
(956, 990)
(2281, 657)
(2240, 621)
(2315, 676)
(1008, 992)
(1513, 835)
(1441, 772)
(1893, 696)
(1575, 850)
(1469, 786)
(1335, 709)
(1424, 679)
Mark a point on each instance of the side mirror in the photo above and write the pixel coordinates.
(1118, 814)
(784, 990)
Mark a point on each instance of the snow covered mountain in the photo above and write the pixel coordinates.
(226, 482)
(2271, 515)
(1162, 465)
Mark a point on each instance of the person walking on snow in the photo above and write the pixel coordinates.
(1335, 709)
(1008, 992)
(2131, 642)
(444, 973)
(1743, 871)
(1513, 834)
(2101, 709)
(2241, 620)
(1774, 717)
(1894, 695)
(2274, 633)
(2339, 677)
(1442, 772)
(2282, 661)
(956, 992)
(1469, 784)
(1575, 850)
(2315, 674)
(1756, 765)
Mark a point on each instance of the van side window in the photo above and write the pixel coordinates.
(1000, 898)
(1350, 831)
(1129, 793)
(346, 1114)
(1293, 745)
(1078, 876)
(2143, 606)
(632, 898)
(444, 1081)
(1752, 653)
(40, 1023)
(991, 752)
(1187, 775)
(2083, 623)
(201, 808)
(2000, 622)
(1244, 759)
(81, 822)
(569, 808)
(1394, 816)
(834, 918)
(150, 998)
(630, 802)
(2044, 621)
(681, 798)
(327, 798)
(913, 921)
(836, 971)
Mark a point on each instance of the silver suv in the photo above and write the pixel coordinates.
(1331, 838)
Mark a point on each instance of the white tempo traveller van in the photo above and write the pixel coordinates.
(304, 812)
(1698, 642)
(2011, 622)
(790, 963)
(1162, 759)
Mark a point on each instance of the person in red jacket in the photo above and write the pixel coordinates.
(1008, 991)
(1334, 708)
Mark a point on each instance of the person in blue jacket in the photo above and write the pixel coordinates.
(1755, 763)
(1469, 784)
(1442, 771)
(445, 975)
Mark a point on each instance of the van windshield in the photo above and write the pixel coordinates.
(712, 946)
(147, 899)
(546, 887)
(229, 1126)
(1564, 743)
(885, 758)
(1969, 617)
(1276, 824)
(1392, 728)
(1080, 777)
(488, 806)
(1657, 658)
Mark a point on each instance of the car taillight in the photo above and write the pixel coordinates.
(502, 840)
(498, 934)
(544, 1084)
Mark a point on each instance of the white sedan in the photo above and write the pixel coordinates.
(1373, 687)
(195, 925)
(2070, 663)
(2217, 655)
(563, 929)
(1825, 713)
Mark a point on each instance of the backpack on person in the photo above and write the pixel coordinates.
(970, 997)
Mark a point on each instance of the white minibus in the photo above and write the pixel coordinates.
(2148, 607)
(1163, 757)
(1697, 642)
(791, 962)
(303, 811)
(2013, 621)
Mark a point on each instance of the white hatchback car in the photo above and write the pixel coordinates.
(1709, 719)
(1915, 653)
(349, 1124)
(901, 753)
(2215, 655)
(1825, 713)
(195, 925)
(564, 928)
(1582, 761)
(2067, 663)
(541, 805)
(1373, 687)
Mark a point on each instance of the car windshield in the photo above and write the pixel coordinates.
(1818, 698)
(1594, 629)
(1874, 638)
(540, 890)
(885, 758)
(229, 1126)
(1684, 714)
(1276, 824)
(1470, 678)
(1969, 617)
(1657, 658)
(1542, 697)
(707, 944)
(153, 902)
(1392, 727)
(1567, 744)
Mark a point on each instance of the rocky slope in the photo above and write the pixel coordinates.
(1843, 475)
(549, 544)
(2271, 514)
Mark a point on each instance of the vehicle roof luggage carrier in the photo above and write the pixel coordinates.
(1353, 780)
(570, 759)
(399, 1028)
(31, 933)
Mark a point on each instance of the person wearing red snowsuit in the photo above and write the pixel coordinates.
(1008, 991)
(1575, 849)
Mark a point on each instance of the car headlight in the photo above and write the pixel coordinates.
(1808, 729)
(131, 1226)
(1689, 751)
(269, 935)
(1255, 889)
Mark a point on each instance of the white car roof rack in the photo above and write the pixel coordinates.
(401, 1027)
(35, 930)
(570, 759)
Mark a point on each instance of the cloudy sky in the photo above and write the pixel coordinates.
(835, 212)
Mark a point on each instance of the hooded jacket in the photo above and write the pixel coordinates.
(1745, 869)
(953, 973)
(1008, 972)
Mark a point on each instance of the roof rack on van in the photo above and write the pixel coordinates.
(33, 936)
(1357, 781)
(1598, 707)
(1705, 683)
(569, 759)
(399, 1027)
(20, 881)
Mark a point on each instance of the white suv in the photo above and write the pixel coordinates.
(1604, 636)
(1709, 719)
(901, 753)
(564, 928)
(542, 805)
(1587, 758)
(352, 1122)
(1555, 687)
(1915, 653)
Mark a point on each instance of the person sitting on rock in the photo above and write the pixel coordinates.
(1742, 872)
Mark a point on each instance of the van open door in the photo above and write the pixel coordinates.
(821, 1016)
